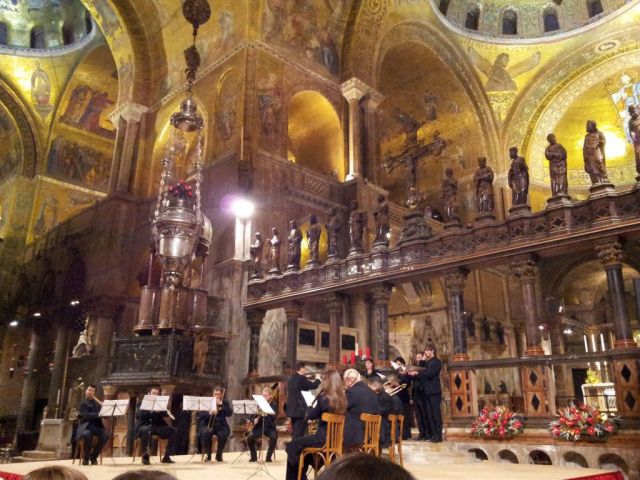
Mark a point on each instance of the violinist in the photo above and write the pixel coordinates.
(150, 423)
(215, 423)
(269, 422)
(90, 425)
(331, 399)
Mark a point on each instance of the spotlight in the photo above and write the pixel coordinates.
(567, 331)
(541, 327)
(73, 303)
(37, 314)
(13, 323)
(242, 208)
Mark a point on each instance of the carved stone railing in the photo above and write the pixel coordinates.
(554, 231)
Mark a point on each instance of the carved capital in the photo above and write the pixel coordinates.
(104, 306)
(381, 294)
(525, 268)
(610, 252)
(373, 100)
(255, 318)
(455, 281)
(129, 111)
(293, 310)
(110, 391)
(354, 89)
(334, 303)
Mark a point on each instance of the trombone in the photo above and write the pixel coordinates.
(212, 418)
(392, 389)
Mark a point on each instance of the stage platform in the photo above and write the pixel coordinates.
(242, 469)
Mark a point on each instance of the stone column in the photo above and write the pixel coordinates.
(455, 289)
(353, 90)
(526, 270)
(293, 312)
(610, 254)
(255, 319)
(371, 143)
(126, 118)
(380, 296)
(35, 363)
(334, 305)
(110, 393)
(56, 388)
(104, 312)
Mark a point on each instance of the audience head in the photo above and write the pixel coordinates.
(154, 390)
(55, 472)
(267, 393)
(300, 367)
(351, 377)
(368, 363)
(332, 387)
(375, 384)
(362, 466)
(400, 361)
(145, 475)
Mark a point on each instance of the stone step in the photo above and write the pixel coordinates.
(435, 453)
(36, 455)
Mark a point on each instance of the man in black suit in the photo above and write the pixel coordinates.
(420, 401)
(268, 422)
(150, 423)
(296, 406)
(90, 425)
(360, 399)
(430, 377)
(219, 427)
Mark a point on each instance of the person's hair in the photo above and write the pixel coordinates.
(299, 365)
(333, 389)
(400, 360)
(393, 380)
(155, 387)
(430, 346)
(351, 374)
(218, 388)
(55, 472)
(91, 385)
(362, 466)
(145, 475)
(375, 384)
(267, 388)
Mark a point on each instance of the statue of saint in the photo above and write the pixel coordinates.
(200, 351)
(483, 180)
(557, 156)
(634, 132)
(294, 250)
(313, 237)
(255, 251)
(333, 232)
(500, 333)
(486, 329)
(449, 197)
(274, 252)
(381, 216)
(356, 228)
(518, 178)
(593, 153)
(470, 324)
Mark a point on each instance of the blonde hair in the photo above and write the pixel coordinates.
(55, 472)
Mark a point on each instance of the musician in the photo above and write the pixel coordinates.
(331, 399)
(419, 400)
(430, 377)
(269, 422)
(296, 406)
(385, 405)
(90, 425)
(405, 397)
(150, 423)
(215, 423)
(370, 369)
(360, 399)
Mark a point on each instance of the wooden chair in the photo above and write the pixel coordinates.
(137, 447)
(332, 447)
(396, 437)
(80, 450)
(371, 441)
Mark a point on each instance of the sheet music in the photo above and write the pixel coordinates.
(114, 408)
(309, 397)
(380, 375)
(263, 405)
(155, 403)
(199, 404)
(396, 366)
(245, 407)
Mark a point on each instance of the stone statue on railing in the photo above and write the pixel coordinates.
(381, 216)
(500, 333)
(470, 324)
(634, 131)
(518, 178)
(255, 251)
(356, 228)
(483, 180)
(295, 247)
(333, 233)
(593, 153)
(449, 195)
(274, 252)
(557, 156)
(313, 238)
(486, 329)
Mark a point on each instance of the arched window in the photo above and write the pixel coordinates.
(550, 18)
(443, 6)
(88, 22)
(594, 7)
(473, 18)
(68, 36)
(37, 37)
(4, 33)
(510, 23)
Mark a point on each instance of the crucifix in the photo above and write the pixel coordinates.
(414, 151)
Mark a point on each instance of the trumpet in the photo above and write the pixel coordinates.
(392, 389)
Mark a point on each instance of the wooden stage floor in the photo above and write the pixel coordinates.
(242, 469)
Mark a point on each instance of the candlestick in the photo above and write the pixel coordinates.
(602, 341)
(586, 344)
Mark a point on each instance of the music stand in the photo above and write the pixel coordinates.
(244, 408)
(197, 404)
(264, 410)
(113, 409)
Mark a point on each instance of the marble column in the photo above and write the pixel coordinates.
(255, 319)
(126, 118)
(104, 313)
(293, 312)
(35, 363)
(371, 143)
(455, 282)
(353, 90)
(526, 270)
(380, 296)
(56, 388)
(334, 305)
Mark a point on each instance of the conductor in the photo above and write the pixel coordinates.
(296, 406)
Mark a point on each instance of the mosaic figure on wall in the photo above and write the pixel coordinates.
(294, 251)
(313, 238)
(86, 107)
(593, 153)
(41, 91)
(518, 178)
(47, 216)
(75, 108)
(499, 74)
(227, 117)
(483, 180)
(626, 96)
(634, 130)
(78, 163)
(10, 154)
(226, 30)
(270, 103)
(333, 232)
(557, 156)
(449, 195)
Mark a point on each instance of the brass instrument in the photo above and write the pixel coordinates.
(392, 389)
(312, 426)
(212, 418)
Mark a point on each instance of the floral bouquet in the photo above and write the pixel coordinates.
(584, 421)
(181, 190)
(497, 422)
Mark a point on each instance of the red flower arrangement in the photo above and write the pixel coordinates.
(182, 189)
(583, 421)
(497, 422)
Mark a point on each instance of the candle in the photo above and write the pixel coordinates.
(594, 345)
(58, 398)
(344, 359)
(353, 358)
(359, 353)
(586, 344)
(368, 349)
(355, 350)
(602, 341)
